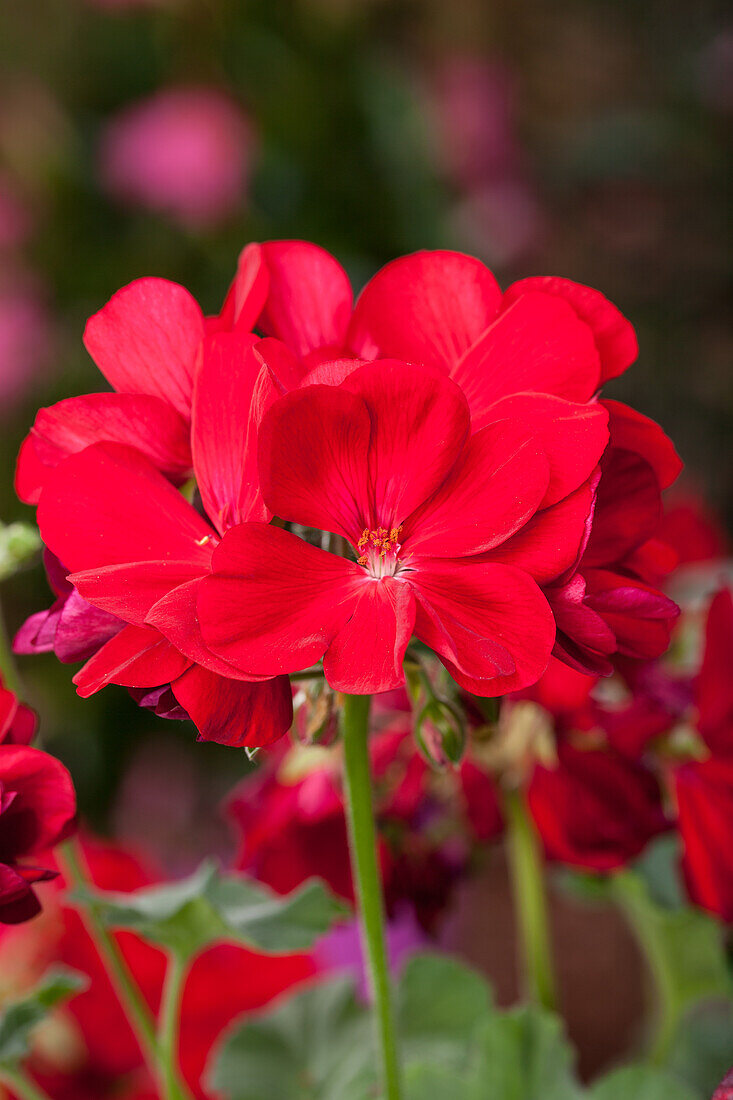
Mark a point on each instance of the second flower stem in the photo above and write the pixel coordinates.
(365, 869)
(170, 1014)
(530, 901)
(131, 1000)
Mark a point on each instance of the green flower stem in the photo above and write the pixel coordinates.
(363, 846)
(170, 1014)
(128, 994)
(21, 1084)
(667, 1013)
(530, 901)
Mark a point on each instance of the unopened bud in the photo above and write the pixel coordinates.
(441, 732)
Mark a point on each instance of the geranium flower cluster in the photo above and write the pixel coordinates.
(301, 479)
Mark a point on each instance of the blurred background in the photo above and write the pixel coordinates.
(585, 138)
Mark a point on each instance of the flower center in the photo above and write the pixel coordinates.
(379, 550)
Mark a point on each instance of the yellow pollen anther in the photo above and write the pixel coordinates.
(379, 542)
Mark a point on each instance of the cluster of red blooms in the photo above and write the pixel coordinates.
(460, 424)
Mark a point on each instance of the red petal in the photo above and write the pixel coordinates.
(44, 808)
(137, 657)
(715, 683)
(284, 366)
(419, 424)
(30, 472)
(628, 508)
(309, 301)
(146, 423)
(489, 624)
(235, 713)
(495, 488)
(232, 392)
(639, 616)
(573, 436)
(18, 903)
(549, 543)
(595, 809)
(632, 431)
(129, 591)
(108, 506)
(614, 335)
(704, 797)
(367, 653)
(146, 340)
(248, 292)
(538, 345)
(429, 307)
(313, 459)
(274, 604)
(175, 616)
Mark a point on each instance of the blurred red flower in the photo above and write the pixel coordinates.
(96, 1054)
(37, 811)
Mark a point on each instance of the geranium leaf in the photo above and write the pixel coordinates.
(315, 1045)
(523, 1055)
(440, 1003)
(19, 1017)
(209, 907)
(641, 1083)
(701, 1050)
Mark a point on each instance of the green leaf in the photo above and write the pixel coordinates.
(18, 543)
(428, 1082)
(20, 1017)
(660, 869)
(641, 1083)
(702, 1048)
(684, 947)
(208, 907)
(523, 1055)
(316, 1045)
(440, 1002)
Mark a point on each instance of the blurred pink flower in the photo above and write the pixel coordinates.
(474, 107)
(26, 340)
(185, 152)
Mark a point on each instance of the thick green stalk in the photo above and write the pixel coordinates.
(365, 867)
(19, 1083)
(128, 994)
(530, 901)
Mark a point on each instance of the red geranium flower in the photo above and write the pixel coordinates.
(385, 462)
(37, 811)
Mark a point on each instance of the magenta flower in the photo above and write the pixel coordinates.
(185, 152)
